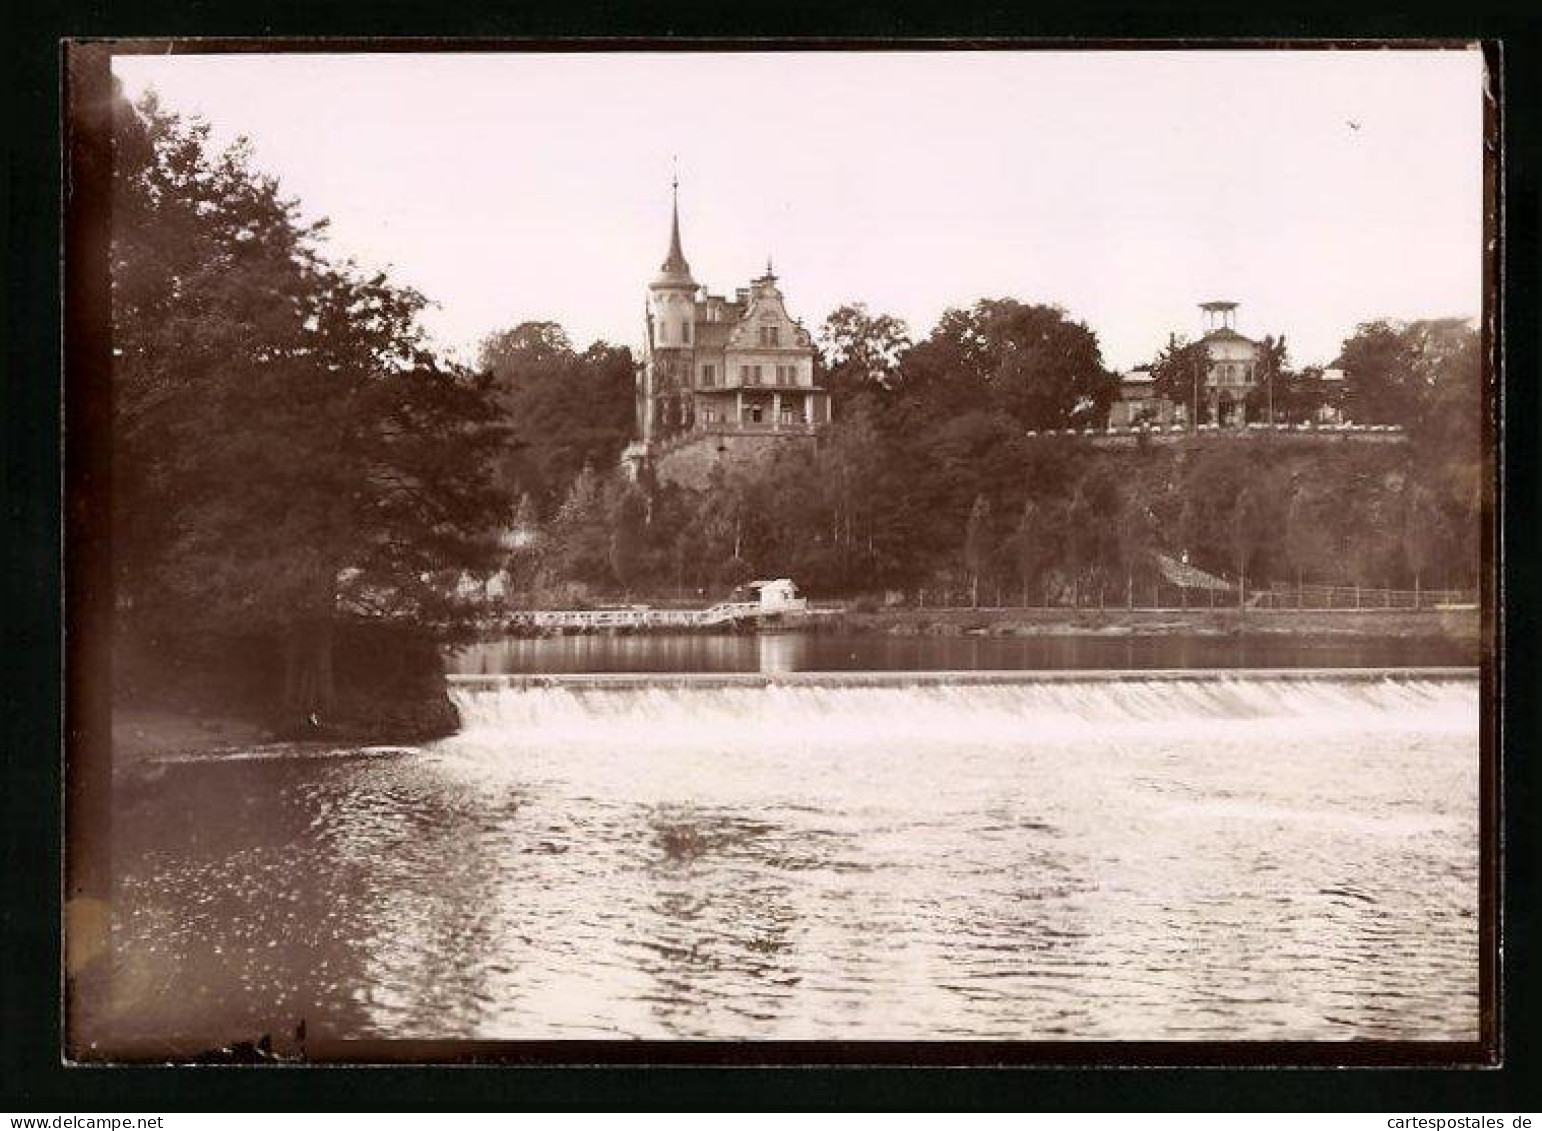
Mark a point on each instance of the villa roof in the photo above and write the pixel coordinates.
(1226, 334)
(675, 271)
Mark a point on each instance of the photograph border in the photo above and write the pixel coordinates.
(88, 601)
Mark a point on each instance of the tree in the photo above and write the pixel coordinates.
(1447, 360)
(859, 351)
(979, 545)
(1178, 375)
(291, 452)
(1029, 362)
(1302, 395)
(1423, 532)
(1037, 540)
(1268, 399)
(847, 478)
(577, 544)
(1209, 491)
(1092, 541)
(1303, 542)
(1248, 529)
(1135, 534)
(563, 409)
(530, 344)
(1381, 385)
(522, 545)
(626, 518)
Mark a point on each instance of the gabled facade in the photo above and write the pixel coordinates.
(714, 366)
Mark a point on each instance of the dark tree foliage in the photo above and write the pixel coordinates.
(576, 544)
(288, 452)
(626, 514)
(979, 545)
(860, 352)
(1092, 546)
(1384, 384)
(1269, 399)
(1302, 395)
(1029, 362)
(564, 409)
(1178, 375)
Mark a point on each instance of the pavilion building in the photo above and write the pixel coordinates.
(1233, 369)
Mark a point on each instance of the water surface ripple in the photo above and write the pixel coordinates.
(1230, 859)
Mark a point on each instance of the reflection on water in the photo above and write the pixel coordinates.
(792, 651)
(1227, 859)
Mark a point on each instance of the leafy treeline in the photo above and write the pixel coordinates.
(928, 478)
(1424, 375)
(563, 409)
(289, 456)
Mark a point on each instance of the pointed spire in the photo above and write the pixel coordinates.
(675, 269)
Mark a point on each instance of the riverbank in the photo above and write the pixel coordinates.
(177, 695)
(142, 734)
(1451, 623)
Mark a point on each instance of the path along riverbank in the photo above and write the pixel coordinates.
(1448, 623)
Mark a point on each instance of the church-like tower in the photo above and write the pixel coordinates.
(668, 348)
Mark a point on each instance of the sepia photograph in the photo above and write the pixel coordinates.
(596, 553)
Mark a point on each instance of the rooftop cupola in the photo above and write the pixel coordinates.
(675, 271)
(1219, 314)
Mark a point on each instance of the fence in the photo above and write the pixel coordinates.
(1358, 597)
(1166, 597)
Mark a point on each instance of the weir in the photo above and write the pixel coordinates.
(621, 681)
(750, 712)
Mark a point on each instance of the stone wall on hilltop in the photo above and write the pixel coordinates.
(690, 462)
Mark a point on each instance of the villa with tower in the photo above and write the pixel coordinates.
(1234, 368)
(720, 379)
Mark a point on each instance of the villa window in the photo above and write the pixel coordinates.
(685, 332)
(708, 375)
(744, 374)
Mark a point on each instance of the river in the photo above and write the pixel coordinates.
(1146, 858)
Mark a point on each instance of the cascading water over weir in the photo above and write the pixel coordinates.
(825, 709)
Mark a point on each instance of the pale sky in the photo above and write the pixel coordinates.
(1317, 188)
